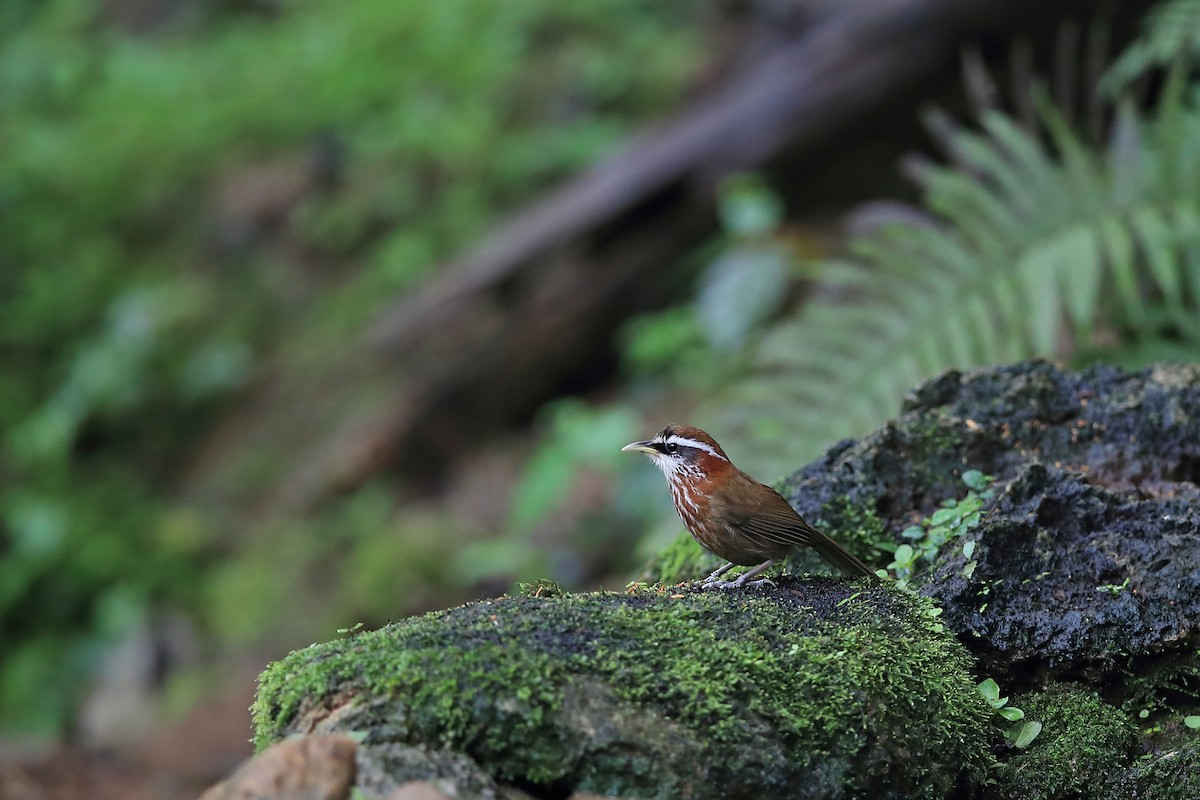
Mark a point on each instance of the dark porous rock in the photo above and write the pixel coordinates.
(1136, 432)
(817, 688)
(1087, 558)
(1078, 579)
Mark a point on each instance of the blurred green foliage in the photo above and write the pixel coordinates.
(1031, 239)
(578, 436)
(1028, 242)
(133, 299)
(742, 280)
(579, 442)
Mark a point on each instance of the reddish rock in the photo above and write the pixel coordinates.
(304, 768)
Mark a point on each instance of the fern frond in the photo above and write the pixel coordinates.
(1171, 32)
(1031, 239)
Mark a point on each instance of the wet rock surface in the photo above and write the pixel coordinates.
(1077, 579)
(1088, 555)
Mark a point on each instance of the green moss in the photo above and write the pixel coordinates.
(935, 445)
(1171, 773)
(653, 692)
(855, 526)
(542, 587)
(1082, 738)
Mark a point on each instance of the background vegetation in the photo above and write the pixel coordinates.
(181, 209)
(184, 211)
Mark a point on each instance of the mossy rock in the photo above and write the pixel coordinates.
(815, 688)
(1085, 568)
(1170, 772)
(1082, 738)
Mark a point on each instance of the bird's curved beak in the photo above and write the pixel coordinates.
(640, 447)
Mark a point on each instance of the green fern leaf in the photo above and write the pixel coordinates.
(1155, 240)
(1081, 279)
(1171, 32)
(1034, 238)
(1036, 271)
(1118, 247)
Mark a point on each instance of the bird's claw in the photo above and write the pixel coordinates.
(762, 582)
(737, 583)
(740, 582)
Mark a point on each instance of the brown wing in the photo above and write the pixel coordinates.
(775, 527)
(773, 524)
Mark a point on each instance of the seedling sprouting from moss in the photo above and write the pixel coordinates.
(1022, 731)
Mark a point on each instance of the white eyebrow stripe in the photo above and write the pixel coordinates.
(682, 442)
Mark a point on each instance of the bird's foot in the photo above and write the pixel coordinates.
(741, 581)
(712, 582)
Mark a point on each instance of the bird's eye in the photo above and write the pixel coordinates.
(672, 448)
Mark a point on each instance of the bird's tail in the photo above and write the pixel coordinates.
(848, 563)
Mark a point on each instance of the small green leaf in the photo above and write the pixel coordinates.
(748, 206)
(738, 292)
(943, 515)
(969, 549)
(1192, 722)
(1026, 732)
(1012, 714)
(989, 689)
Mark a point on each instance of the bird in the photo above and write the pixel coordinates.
(730, 514)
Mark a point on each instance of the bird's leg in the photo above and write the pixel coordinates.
(716, 573)
(745, 577)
